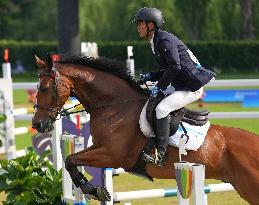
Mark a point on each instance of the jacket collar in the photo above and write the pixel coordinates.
(152, 44)
(155, 37)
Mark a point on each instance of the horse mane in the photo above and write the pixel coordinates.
(112, 66)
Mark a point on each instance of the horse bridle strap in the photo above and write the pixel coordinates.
(55, 75)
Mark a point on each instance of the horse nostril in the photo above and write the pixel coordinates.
(36, 125)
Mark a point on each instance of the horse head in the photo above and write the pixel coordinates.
(53, 91)
(98, 83)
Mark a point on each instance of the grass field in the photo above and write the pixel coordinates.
(128, 182)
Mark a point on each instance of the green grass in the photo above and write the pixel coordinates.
(128, 182)
(24, 140)
(20, 98)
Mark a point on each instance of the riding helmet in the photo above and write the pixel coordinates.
(149, 14)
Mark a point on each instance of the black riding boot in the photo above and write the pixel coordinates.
(162, 138)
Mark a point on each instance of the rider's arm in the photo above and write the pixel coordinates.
(172, 67)
(156, 75)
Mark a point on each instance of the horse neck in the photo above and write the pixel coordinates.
(95, 88)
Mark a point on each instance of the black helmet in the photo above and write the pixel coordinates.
(150, 14)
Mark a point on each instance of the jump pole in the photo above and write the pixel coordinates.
(130, 61)
(198, 190)
(190, 179)
(76, 144)
(6, 85)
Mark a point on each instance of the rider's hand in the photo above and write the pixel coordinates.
(154, 91)
(144, 78)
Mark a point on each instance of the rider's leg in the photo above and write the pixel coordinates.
(173, 102)
(162, 138)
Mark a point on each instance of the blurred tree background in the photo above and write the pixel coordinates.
(223, 34)
(102, 20)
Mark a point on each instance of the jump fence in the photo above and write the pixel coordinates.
(24, 114)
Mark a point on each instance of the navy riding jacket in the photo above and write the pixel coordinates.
(178, 66)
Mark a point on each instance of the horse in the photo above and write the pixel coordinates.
(115, 100)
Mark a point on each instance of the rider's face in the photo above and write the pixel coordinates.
(142, 29)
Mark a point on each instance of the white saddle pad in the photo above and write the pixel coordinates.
(196, 133)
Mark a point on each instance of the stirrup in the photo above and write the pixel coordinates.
(160, 159)
(151, 157)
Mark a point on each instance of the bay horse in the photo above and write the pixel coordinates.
(114, 101)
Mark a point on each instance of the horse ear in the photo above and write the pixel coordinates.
(40, 63)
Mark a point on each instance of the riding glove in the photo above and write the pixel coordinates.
(154, 91)
(145, 77)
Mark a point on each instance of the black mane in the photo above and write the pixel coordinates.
(115, 67)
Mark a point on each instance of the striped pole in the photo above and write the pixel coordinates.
(166, 192)
(72, 144)
(6, 88)
(108, 173)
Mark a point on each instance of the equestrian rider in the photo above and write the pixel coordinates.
(180, 75)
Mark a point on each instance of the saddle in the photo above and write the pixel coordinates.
(196, 118)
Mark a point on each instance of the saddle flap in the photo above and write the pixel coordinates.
(196, 117)
(195, 113)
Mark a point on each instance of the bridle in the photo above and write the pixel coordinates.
(55, 111)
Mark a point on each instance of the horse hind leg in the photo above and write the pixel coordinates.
(245, 178)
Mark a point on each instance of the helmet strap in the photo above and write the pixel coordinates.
(148, 30)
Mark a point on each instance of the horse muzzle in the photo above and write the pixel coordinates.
(43, 125)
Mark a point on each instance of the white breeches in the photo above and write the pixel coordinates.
(175, 101)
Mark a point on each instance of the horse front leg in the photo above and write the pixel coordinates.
(94, 157)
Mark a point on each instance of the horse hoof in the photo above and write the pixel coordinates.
(102, 194)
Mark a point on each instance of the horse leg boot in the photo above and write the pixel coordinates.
(99, 193)
(162, 138)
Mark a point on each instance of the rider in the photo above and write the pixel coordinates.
(180, 75)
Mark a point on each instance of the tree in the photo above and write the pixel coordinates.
(193, 16)
(247, 29)
(68, 27)
(28, 20)
(110, 20)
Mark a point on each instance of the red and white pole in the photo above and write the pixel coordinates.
(6, 88)
(6, 66)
